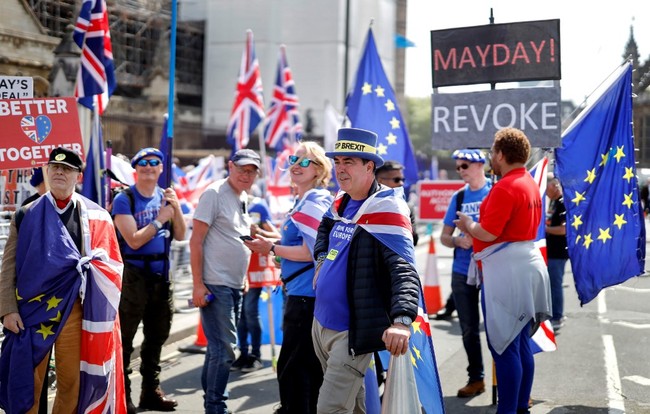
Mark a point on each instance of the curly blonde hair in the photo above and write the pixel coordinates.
(323, 165)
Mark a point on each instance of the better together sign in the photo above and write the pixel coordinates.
(32, 128)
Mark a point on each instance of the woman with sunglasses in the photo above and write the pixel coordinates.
(299, 371)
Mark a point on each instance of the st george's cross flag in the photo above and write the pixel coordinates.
(372, 105)
(596, 166)
(386, 216)
(96, 76)
(282, 127)
(248, 108)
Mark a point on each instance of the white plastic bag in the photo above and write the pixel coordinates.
(401, 393)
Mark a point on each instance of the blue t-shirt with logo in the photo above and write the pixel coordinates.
(332, 310)
(146, 211)
(301, 285)
(471, 205)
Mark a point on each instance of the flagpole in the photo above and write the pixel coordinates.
(170, 99)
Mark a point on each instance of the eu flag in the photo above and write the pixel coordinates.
(372, 105)
(605, 227)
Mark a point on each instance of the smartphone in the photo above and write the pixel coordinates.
(246, 238)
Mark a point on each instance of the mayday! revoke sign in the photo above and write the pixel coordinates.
(32, 128)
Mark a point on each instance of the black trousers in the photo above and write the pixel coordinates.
(299, 371)
(148, 298)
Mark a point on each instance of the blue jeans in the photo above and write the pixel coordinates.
(515, 371)
(466, 298)
(250, 323)
(219, 321)
(556, 276)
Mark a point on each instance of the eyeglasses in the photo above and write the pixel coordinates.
(293, 159)
(462, 167)
(396, 180)
(243, 171)
(144, 163)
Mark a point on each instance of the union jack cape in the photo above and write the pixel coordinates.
(308, 213)
(386, 216)
(96, 76)
(282, 125)
(248, 108)
(46, 290)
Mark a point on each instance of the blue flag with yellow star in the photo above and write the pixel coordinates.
(595, 164)
(372, 105)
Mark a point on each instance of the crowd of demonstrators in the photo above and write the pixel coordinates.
(219, 261)
(299, 372)
(470, 165)
(367, 287)
(42, 301)
(514, 279)
(556, 248)
(250, 357)
(141, 214)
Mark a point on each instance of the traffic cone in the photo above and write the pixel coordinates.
(199, 345)
(432, 293)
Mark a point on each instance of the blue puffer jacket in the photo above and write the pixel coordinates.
(381, 285)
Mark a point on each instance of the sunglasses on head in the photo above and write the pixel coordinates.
(293, 159)
(153, 163)
(462, 167)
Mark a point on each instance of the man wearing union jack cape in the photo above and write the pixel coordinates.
(60, 286)
(367, 287)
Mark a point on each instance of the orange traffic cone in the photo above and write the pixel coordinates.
(198, 347)
(432, 293)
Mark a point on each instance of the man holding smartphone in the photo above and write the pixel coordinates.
(221, 221)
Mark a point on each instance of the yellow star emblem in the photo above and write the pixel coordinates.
(379, 91)
(619, 154)
(37, 298)
(18, 297)
(629, 174)
(603, 158)
(619, 221)
(578, 198)
(577, 221)
(628, 200)
(366, 88)
(418, 354)
(53, 302)
(391, 139)
(382, 149)
(578, 237)
(394, 123)
(390, 106)
(57, 318)
(416, 326)
(45, 331)
(588, 241)
(604, 235)
(591, 176)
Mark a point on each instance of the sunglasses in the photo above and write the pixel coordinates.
(462, 167)
(396, 180)
(293, 159)
(144, 163)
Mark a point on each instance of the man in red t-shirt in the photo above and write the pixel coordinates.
(515, 284)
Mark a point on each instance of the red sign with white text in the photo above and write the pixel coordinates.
(32, 128)
(434, 198)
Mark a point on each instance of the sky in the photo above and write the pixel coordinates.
(593, 36)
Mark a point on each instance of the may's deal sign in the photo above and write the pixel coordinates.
(434, 198)
(31, 128)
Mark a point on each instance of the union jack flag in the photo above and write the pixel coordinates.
(96, 76)
(47, 292)
(308, 213)
(386, 216)
(282, 124)
(29, 127)
(544, 338)
(248, 108)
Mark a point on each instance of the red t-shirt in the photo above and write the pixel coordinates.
(512, 210)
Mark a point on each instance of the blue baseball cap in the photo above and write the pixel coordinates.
(37, 177)
(145, 152)
(471, 155)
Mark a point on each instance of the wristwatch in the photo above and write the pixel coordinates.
(157, 225)
(404, 320)
(272, 250)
